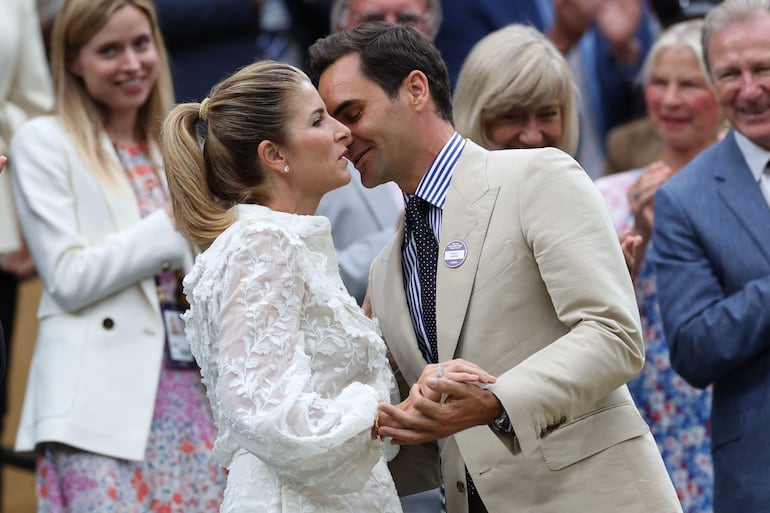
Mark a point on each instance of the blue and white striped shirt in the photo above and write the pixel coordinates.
(432, 188)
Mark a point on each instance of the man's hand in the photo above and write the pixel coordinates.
(458, 370)
(618, 20)
(421, 419)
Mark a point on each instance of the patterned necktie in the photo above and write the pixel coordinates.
(427, 254)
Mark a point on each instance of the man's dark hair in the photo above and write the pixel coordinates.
(388, 54)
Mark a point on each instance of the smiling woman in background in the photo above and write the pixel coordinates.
(114, 404)
(515, 90)
(683, 110)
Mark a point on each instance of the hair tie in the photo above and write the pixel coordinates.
(203, 110)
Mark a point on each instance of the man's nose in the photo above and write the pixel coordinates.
(750, 86)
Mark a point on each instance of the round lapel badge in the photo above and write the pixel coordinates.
(455, 253)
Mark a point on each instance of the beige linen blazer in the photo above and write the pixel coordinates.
(544, 302)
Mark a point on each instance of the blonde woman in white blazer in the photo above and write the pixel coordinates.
(113, 405)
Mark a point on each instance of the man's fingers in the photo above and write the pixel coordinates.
(463, 366)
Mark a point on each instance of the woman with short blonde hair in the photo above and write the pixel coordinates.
(513, 70)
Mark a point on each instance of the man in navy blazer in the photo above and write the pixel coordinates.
(711, 245)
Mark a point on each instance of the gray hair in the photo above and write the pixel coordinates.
(726, 13)
(685, 33)
(340, 11)
(514, 67)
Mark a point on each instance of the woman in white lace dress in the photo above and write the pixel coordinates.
(293, 368)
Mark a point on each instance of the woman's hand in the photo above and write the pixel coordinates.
(633, 246)
(641, 194)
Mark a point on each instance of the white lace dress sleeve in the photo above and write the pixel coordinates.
(293, 369)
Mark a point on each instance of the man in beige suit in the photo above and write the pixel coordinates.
(527, 282)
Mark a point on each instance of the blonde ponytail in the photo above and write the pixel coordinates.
(207, 177)
(199, 215)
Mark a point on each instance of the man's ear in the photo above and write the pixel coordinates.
(271, 155)
(416, 90)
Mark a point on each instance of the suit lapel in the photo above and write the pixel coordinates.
(740, 192)
(393, 311)
(466, 216)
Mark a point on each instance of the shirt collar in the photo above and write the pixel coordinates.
(435, 183)
(756, 156)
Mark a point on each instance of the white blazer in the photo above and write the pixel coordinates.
(25, 91)
(100, 341)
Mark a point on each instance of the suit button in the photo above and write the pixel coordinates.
(460, 487)
(108, 323)
(562, 420)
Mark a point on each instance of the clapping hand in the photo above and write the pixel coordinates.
(633, 246)
(641, 194)
(618, 20)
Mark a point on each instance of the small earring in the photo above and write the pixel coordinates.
(286, 168)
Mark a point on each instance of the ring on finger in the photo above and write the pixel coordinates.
(440, 371)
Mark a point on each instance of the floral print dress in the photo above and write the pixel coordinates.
(677, 413)
(179, 473)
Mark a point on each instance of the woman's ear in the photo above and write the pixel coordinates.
(271, 156)
(74, 65)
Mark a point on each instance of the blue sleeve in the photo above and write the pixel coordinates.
(616, 79)
(710, 333)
